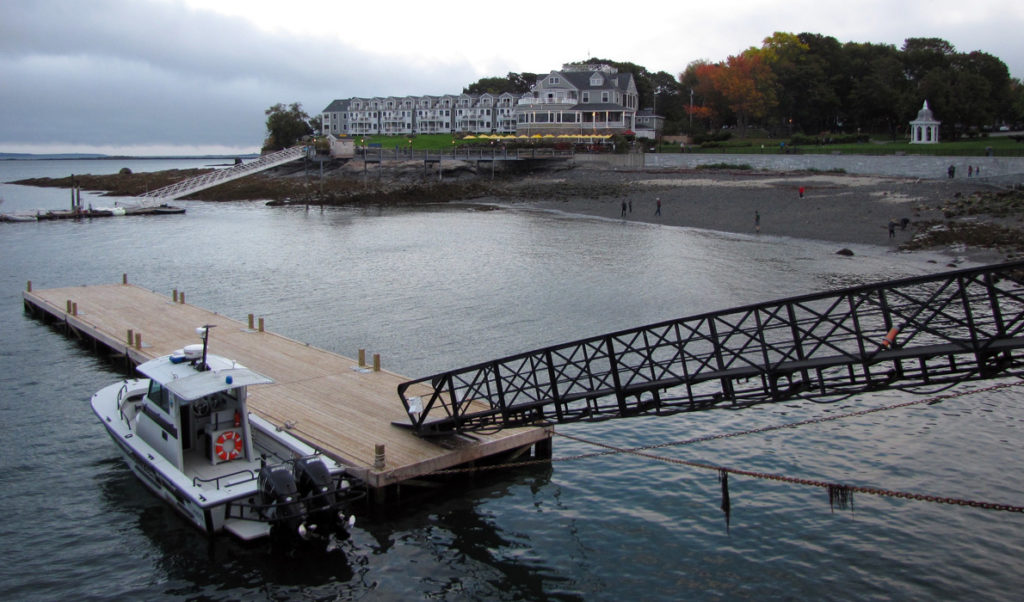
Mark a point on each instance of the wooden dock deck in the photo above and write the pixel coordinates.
(323, 398)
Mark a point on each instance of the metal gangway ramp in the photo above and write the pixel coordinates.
(220, 176)
(917, 334)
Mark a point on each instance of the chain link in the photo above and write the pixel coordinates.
(641, 452)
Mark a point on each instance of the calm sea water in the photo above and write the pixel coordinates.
(441, 287)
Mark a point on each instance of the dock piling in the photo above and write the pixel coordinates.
(138, 340)
(379, 460)
(131, 337)
(124, 278)
(251, 318)
(29, 288)
(376, 362)
(175, 295)
(261, 324)
(362, 358)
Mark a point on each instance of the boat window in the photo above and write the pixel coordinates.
(159, 396)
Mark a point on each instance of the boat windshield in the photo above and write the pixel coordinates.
(158, 394)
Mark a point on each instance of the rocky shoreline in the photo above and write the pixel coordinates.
(960, 215)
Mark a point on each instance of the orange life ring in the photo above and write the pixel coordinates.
(223, 450)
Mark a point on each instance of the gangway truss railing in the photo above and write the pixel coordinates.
(220, 176)
(914, 333)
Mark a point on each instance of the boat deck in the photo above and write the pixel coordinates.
(323, 398)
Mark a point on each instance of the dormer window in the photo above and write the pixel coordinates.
(596, 79)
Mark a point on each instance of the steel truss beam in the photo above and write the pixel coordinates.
(910, 333)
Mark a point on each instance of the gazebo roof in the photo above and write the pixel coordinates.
(924, 116)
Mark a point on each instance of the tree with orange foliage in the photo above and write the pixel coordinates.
(708, 106)
(747, 84)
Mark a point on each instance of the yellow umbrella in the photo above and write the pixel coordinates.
(469, 137)
(536, 136)
(484, 136)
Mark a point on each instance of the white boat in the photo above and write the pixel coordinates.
(185, 431)
(18, 217)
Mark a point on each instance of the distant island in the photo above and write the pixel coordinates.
(26, 156)
(60, 156)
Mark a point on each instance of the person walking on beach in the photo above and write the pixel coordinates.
(623, 214)
(757, 221)
(658, 210)
(892, 228)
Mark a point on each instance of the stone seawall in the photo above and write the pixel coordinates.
(1010, 169)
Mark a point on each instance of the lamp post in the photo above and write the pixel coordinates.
(691, 110)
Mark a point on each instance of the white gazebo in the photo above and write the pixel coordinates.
(924, 129)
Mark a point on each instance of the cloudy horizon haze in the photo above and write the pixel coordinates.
(194, 77)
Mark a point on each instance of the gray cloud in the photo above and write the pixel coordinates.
(117, 73)
(113, 72)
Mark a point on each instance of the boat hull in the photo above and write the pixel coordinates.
(217, 496)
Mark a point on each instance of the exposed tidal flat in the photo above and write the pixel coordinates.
(981, 216)
(443, 283)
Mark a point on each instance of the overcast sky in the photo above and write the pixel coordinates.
(151, 77)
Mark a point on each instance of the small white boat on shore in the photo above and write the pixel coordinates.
(185, 431)
(18, 217)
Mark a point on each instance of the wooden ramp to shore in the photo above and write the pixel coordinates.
(323, 398)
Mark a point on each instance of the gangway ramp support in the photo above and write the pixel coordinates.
(220, 176)
(913, 333)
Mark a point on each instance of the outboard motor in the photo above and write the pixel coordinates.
(316, 489)
(280, 499)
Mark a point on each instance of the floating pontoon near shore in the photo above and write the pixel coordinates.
(91, 212)
(342, 407)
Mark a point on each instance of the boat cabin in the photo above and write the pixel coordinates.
(195, 409)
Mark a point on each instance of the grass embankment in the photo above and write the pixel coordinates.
(979, 146)
(999, 146)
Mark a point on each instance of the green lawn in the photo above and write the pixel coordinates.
(1000, 146)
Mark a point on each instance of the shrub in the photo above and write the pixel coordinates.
(805, 140)
(720, 136)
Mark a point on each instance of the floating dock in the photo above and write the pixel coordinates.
(336, 404)
(90, 213)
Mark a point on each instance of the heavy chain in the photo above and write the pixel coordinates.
(641, 452)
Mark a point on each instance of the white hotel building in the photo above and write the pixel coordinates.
(579, 99)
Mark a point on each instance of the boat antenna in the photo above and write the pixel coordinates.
(204, 333)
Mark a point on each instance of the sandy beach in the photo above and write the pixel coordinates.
(833, 207)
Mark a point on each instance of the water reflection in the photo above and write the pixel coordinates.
(437, 289)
